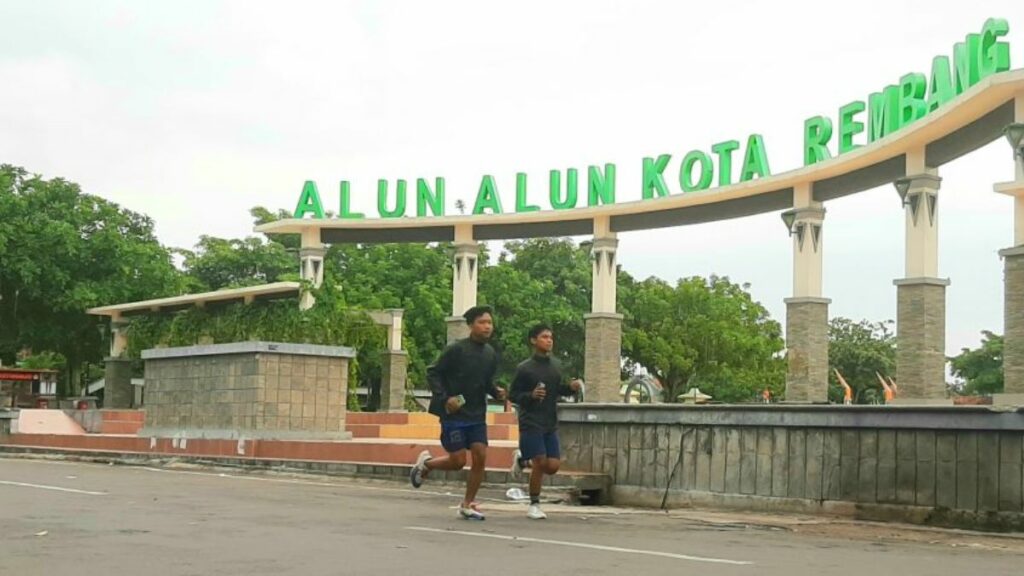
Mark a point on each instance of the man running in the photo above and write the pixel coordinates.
(536, 388)
(460, 381)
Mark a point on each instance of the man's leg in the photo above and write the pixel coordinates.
(453, 461)
(476, 472)
(540, 466)
(453, 440)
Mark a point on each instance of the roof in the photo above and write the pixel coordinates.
(247, 294)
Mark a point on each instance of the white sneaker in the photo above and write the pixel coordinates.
(416, 474)
(471, 512)
(535, 513)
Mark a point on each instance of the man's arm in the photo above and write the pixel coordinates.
(494, 390)
(437, 373)
(565, 387)
(521, 391)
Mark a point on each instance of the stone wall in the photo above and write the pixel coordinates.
(947, 466)
(252, 390)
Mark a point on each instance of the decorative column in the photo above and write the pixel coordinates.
(311, 257)
(921, 295)
(394, 362)
(1013, 277)
(117, 377)
(603, 339)
(465, 268)
(807, 310)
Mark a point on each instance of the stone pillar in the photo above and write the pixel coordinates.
(807, 310)
(117, 383)
(603, 339)
(1013, 321)
(117, 377)
(601, 364)
(394, 368)
(807, 349)
(921, 295)
(921, 338)
(1013, 275)
(465, 268)
(311, 268)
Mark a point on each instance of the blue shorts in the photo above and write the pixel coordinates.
(534, 444)
(456, 436)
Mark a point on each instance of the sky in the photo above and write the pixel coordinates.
(194, 112)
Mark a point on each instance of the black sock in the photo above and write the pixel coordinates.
(534, 498)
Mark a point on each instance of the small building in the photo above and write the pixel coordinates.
(27, 387)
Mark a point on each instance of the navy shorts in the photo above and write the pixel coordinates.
(534, 444)
(456, 436)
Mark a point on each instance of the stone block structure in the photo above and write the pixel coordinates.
(247, 390)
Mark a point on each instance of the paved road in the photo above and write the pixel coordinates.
(61, 518)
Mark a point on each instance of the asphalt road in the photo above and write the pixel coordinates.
(59, 518)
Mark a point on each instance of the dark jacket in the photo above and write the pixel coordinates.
(467, 368)
(538, 415)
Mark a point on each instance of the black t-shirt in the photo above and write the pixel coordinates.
(465, 367)
(538, 415)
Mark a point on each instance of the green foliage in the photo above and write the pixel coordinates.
(217, 263)
(858, 351)
(980, 370)
(535, 281)
(329, 322)
(705, 333)
(62, 252)
(44, 361)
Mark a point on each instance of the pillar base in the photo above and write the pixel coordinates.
(603, 357)
(807, 349)
(457, 328)
(1008, 400)
(1013, 320)
(394, 365)
(921, 338)
(117, 383)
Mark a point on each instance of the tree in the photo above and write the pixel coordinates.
(980, 371)
(859, 351)
(220, 263)
(62, 252)
(707, 333)
(539, 281)
(414, 277)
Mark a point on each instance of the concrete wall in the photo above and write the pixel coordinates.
(254, 394)
(948, 466)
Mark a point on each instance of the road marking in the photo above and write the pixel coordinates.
(54, 488)
(341, 484)
(584, 545)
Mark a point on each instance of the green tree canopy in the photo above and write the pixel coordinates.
(62, 252)
(980, 370)
(859, 351)
(707, 333)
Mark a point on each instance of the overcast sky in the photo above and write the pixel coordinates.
(193, 112)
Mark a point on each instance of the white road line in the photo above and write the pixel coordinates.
(304, 482)
(54, 488)
(584, 545)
